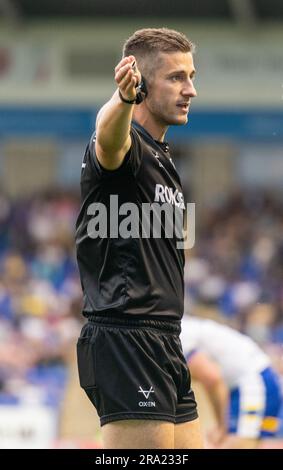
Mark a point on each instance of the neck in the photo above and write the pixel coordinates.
(155, 128)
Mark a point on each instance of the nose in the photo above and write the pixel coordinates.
(189, 89)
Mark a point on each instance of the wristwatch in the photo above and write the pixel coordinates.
(140, 95)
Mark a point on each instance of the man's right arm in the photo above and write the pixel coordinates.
(114, 119)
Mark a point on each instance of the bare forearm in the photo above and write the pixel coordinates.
(219, 399)
(113, 124)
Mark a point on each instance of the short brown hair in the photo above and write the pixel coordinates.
(148, 42)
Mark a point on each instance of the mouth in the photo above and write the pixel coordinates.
(184, 106)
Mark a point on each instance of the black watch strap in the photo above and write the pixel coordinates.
(126, 101)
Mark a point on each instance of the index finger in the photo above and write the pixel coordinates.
(124, 61)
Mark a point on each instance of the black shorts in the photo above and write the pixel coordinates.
(135, 369)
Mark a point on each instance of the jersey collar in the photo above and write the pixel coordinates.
(164, 145)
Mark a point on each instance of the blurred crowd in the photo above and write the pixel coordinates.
(40, 296)
(236, 267)
(235, 271)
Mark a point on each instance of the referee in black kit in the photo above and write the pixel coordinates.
(130, 359)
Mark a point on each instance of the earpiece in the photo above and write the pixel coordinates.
(141, 91)
(142, 86)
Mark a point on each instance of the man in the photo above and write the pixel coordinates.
(233, 368)
(129, 353)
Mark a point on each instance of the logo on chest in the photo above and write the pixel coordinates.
(155, 154)
(169, 195)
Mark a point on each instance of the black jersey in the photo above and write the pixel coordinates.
(133, 275)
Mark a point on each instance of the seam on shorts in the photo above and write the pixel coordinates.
(186, 417)
(128, 416)
(136, 413)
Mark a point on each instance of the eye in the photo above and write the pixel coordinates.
(175, 78)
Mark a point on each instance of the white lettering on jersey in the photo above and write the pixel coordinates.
(159, 193)
(167, 194)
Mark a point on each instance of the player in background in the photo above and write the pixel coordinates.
(243, 388)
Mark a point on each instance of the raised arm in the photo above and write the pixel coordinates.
(114, 119)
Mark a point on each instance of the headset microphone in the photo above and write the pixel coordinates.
(141, 91)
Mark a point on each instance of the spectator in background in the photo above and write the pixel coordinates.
(236, 267)
(39, 287)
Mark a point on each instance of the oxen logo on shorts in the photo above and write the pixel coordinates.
(146, 394)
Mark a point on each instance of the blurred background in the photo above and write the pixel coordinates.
(56, 69)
